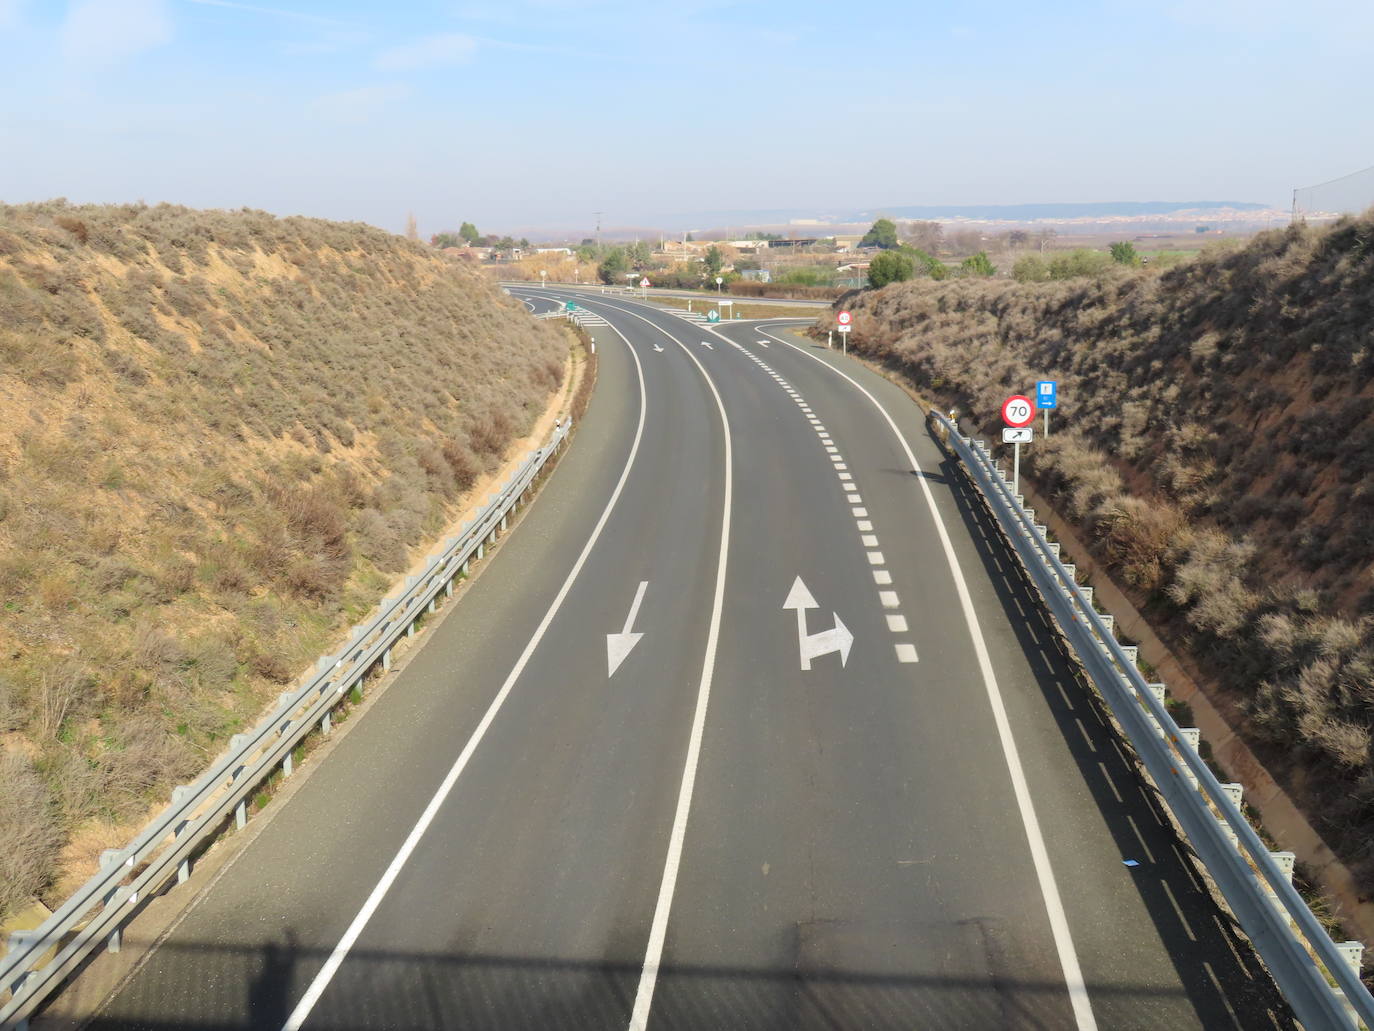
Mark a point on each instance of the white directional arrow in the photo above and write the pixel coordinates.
(618, 646)
(657, 348)
(762, 343)
(707, 344)
(836, 639)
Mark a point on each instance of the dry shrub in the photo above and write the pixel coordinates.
(491, 432)
(464, 466)
(29, 835)
(1137, 535)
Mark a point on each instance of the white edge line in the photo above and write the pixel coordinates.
(658, 931)
(1059, 922)
(374, 900)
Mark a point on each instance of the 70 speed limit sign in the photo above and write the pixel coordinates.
(1018, 410)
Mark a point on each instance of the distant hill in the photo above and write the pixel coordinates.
(1031, 212)
(224, 435)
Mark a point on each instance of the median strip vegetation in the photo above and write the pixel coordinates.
(226, 435)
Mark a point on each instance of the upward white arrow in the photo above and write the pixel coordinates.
(618, 646)
(836, 639)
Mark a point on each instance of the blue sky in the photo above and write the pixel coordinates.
(526, 112)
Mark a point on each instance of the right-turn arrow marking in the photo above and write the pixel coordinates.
(811, 646)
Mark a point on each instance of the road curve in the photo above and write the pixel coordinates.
(764, 817)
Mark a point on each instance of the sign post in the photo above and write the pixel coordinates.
(1047, 397)
(1018, 413)
(844, 319)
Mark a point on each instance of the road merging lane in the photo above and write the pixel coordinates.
(896, 621)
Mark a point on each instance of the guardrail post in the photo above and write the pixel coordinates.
(237, 743)
(288, 765)
(108, 859)
(448, 587)
(22, 940)
(386, 659)
(481, 550)
(326, 725)
(184, 867)
(1053, 546)
(1234, 792)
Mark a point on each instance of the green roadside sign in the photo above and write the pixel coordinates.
(713, 316)
(570, 306)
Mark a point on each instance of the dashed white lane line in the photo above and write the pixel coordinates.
(896, 623)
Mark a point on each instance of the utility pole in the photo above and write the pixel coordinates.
(598, 229)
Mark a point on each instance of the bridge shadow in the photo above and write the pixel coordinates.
(209, 986)
(1223, 978)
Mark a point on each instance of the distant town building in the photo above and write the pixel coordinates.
(757, 275)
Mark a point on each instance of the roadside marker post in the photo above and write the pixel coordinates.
(1047, 397)
(1018, 413)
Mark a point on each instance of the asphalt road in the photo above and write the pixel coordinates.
(925, 828)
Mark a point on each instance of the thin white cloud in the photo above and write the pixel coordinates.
(273, 12)
(100, 32)
(356, 106)
(448, 48)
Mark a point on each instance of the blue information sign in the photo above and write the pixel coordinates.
(1046, 394)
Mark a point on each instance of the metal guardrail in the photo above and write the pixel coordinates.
(38, 961)
(1255, 882)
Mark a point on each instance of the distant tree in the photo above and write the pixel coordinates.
(524, 244)
(1017, 238)
(690, 238)
(587, 241)
(883, 233)
(469, 232)
(1124, 253)
(714, 261)
(638, 255)
(1030, 269)
(412, 231)
(587, 252)
(613, 267)
(1047, 237)
(965, 242)
(446, 240)
(925, 264)
(926, 236)
(1079, 263)
(978, 265)
(890, 267)
(505, 244)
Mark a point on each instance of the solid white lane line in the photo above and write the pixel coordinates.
(906, 653)
(875, 558)
(355, 929)
(882, 576)
(869, 540)
(897, 624)
(1049, 888)
(889, 599)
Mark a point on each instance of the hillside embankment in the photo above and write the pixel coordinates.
(225, 436)
(1215, 449)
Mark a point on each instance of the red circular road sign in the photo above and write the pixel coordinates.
(843, 318)
(1018, 410)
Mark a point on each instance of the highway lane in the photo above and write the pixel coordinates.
(853, 853)
(850, 816)
(528, 895)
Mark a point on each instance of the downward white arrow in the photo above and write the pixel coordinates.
(657, 348)
(811, 646)
(618, 646)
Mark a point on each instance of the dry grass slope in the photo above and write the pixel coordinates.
(1217, 441)
(224, 435)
